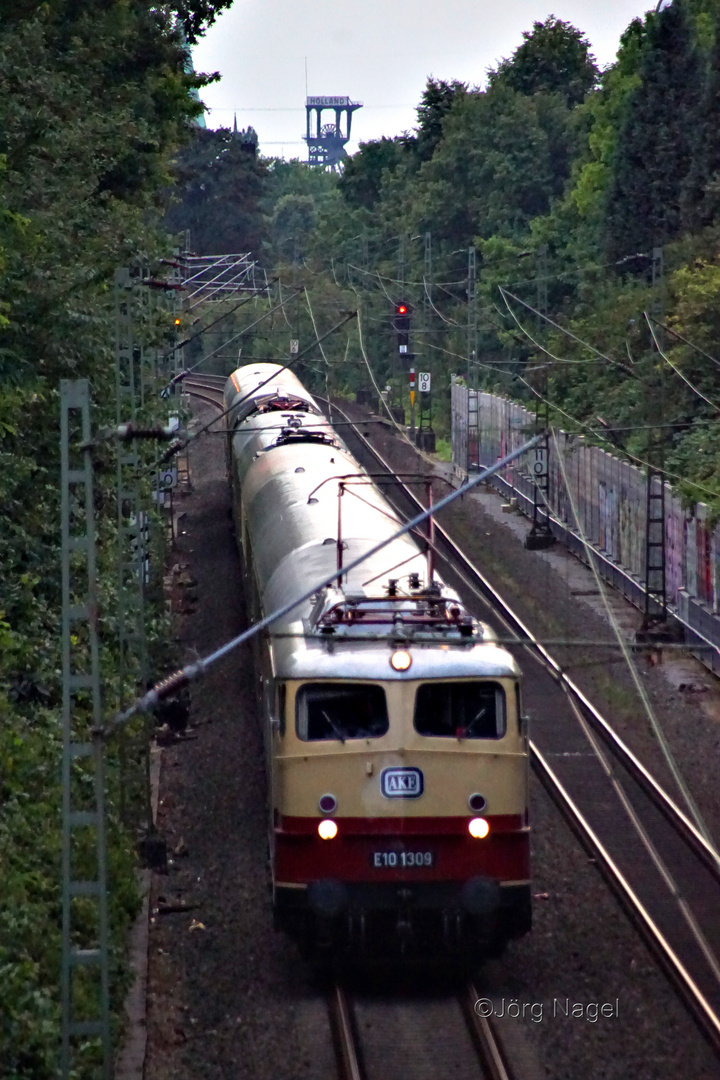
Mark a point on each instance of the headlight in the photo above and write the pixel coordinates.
(327, 830)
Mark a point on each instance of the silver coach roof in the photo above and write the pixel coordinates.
(247, 382)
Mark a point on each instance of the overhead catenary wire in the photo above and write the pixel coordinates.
(642, 692)
(403, 433)
(585, 344)
(491, 365)
(684, 340)
(224, 345)
(225, 268)
(283, 302)
(199, 333)
(450, 322)
(312, 320)
(604, 440)
(190, 437)
(676, 369)
(609, 771)
(194, 670)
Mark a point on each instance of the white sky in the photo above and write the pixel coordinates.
(379, 52)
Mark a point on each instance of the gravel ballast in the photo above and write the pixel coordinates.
(228, 997)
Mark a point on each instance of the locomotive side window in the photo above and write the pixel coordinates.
(340, 711)
(460, 710)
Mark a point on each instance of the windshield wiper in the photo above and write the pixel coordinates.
(473, 722)
(336, 729)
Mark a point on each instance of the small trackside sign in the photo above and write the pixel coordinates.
(402, 782)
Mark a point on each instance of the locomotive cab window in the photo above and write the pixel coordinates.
(460, 710)
(340, 711)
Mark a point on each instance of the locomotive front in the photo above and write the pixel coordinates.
(396, 747)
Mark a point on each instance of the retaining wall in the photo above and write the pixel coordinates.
(609, 496)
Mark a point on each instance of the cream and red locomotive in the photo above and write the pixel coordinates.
(396, 747)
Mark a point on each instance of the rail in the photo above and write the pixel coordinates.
(485, 1048)
(683, 981)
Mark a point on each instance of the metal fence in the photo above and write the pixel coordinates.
(610, 498)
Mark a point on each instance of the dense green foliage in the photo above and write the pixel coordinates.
(94, 100)
(219, 185)
(592, 196)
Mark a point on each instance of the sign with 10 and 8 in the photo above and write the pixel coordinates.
(424, 382)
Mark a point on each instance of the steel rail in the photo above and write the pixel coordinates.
(346, 1047)
(636, 910)
(668, 807)
(205, 397)
(483, 1036)
(220, 383)
(698, 1005)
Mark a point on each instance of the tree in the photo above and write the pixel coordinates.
(219, 184)
(700, 196)
(653, 153)
(554, 58)
(362, 179)
(94, 101)
(194, 16)
(503, 157)
(437, 101)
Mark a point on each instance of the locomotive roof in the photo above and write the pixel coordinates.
(309, 658)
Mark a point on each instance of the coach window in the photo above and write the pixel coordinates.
(340, 711)
(460, 710)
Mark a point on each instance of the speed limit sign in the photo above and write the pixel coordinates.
(424, 382)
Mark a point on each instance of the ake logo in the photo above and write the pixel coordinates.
(402, 783)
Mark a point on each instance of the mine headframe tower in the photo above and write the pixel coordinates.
(326, 142)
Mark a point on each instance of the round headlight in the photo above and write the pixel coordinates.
(477, 802)
(478, 827)
(400, 660)
(327, 830)
(328, 804)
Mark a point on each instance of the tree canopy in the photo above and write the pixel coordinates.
(554, 58)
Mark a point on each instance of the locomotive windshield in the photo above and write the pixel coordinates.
(460, 710)
(340, 711)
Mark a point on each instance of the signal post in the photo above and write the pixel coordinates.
(401, 323)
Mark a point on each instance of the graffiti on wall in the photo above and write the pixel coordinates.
(604, 498)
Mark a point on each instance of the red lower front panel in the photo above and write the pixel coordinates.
(398, 850)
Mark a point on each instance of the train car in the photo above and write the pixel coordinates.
(396, 746)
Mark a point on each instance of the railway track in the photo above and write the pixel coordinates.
(376, 1038)
(207, 388)
(653, 858)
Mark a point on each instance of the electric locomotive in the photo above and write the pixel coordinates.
(396, 746)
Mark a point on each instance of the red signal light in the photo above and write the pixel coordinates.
(402, 309)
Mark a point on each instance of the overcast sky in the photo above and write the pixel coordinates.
(379, 52)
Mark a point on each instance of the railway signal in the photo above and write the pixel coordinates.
(401, 322)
